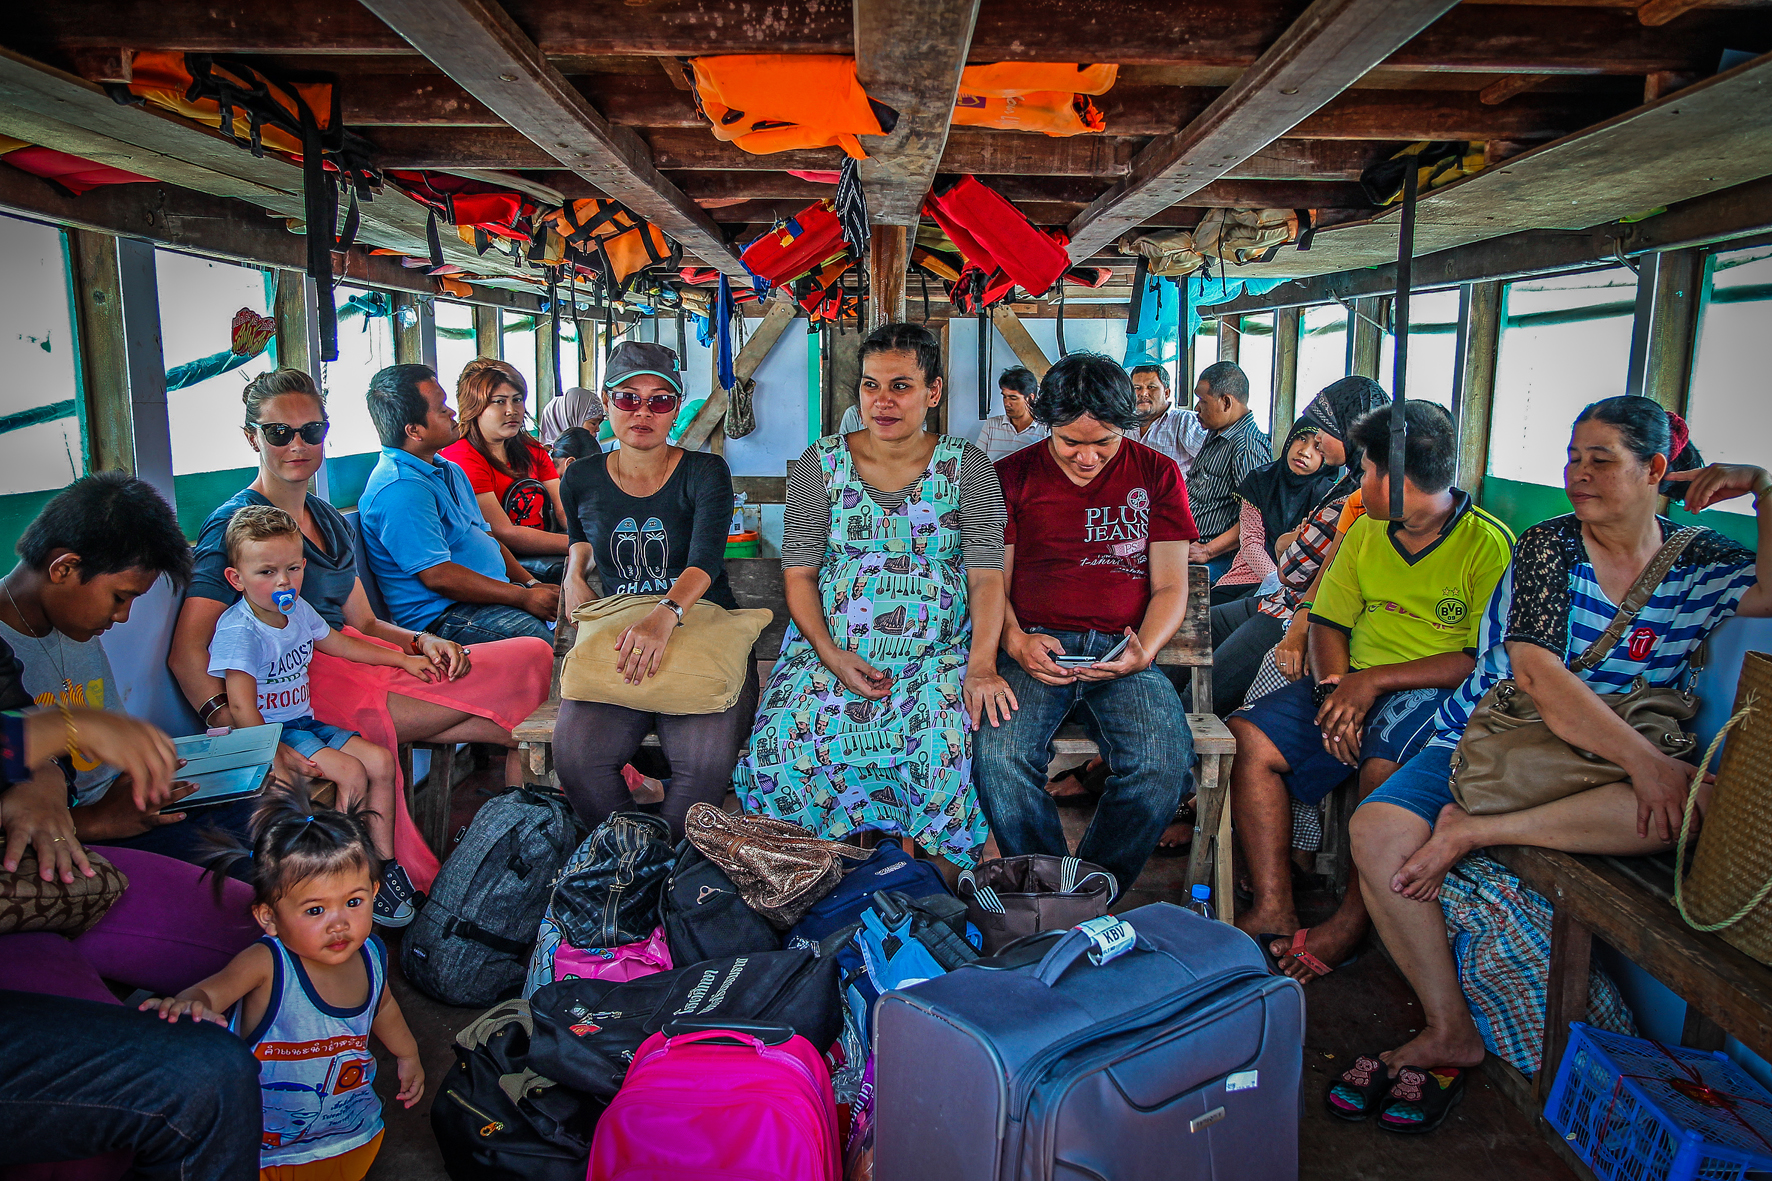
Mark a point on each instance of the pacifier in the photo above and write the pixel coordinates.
(284, 599)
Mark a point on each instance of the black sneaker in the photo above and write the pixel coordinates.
(394, 902)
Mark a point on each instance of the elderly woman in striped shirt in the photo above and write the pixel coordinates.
(1568, 574)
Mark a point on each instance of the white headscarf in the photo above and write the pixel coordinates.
(570, 409)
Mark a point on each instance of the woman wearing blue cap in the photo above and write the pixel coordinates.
(652, 517)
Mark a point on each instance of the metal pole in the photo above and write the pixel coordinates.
(1400, 320)
(984, 365)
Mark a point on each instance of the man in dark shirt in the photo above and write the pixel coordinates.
(1095, 555)
(1235, 446)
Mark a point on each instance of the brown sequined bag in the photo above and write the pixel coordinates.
(780, 869)
(28, 903)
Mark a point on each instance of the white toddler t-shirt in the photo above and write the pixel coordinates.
(277, 657)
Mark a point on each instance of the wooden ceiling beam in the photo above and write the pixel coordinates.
(969, 151)
(477, 43)
(1507, 38)
(1329, 46)
(1233, 194)
(909, 55)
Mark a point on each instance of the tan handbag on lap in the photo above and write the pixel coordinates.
(1508, 760)
(704, 666)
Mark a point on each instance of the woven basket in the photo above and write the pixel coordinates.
(1732, 866)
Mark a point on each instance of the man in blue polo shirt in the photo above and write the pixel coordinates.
(441, 571)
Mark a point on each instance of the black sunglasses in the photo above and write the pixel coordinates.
(279, 434)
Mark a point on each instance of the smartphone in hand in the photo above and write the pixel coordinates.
(1112, 654)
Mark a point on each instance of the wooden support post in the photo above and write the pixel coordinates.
(1700, 1032)
(488, 338)
(1673, 330)
(296, 346)
(408, 340)
(1367, 336)
(1285, 385)
(103, 370)
(1571, 952)
(888, 260)
(1230, 338)
(1026, 349)
(546, 372)
(1476, 389)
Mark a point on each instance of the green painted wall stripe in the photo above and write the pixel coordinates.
(1521, 506)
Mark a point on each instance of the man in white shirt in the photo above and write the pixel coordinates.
(1015, 428)
(1174, 431)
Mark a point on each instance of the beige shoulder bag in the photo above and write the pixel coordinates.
(704, 666)
(1508, 760)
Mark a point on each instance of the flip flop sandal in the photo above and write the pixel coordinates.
(1420, 1100)
(1183, 815)
(1357, 1093)
(1092, 783)
(1318, 968)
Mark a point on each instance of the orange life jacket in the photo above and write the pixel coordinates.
(1057, 113)
(770, 102)
(620, 243)
(796, 245)
(824, 298)
(296, 114)
(1008, 79)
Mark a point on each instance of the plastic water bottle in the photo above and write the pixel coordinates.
(1202, 902)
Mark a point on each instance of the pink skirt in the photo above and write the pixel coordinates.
(508, 680)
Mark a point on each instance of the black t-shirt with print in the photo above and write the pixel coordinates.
(643, 544)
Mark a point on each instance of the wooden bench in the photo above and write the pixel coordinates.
(1209, 861)
(756, 582)
(1628, 903)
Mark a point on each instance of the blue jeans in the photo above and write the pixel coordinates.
(1217, 567)
(83, 1079)
(1138, 723)
(482, 623)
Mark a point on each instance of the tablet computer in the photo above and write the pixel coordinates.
(229, 766)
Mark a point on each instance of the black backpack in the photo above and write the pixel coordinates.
(703, 916)
(612, 898)
(587, 1031)
(470, 944)
(543, 1134)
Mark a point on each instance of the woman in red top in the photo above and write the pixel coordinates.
(515, 481)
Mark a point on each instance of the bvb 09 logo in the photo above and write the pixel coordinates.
(1450, 611)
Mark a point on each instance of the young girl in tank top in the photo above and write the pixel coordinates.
(307, 996)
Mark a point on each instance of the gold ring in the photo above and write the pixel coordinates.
(637, 651)
(58, 839)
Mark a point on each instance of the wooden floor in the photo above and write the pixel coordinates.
(1361, 1008)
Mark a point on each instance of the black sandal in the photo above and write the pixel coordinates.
(1092, 782)
(1367, 1081)
(1429, 1094)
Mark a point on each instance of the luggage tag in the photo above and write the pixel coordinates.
(1110, 938)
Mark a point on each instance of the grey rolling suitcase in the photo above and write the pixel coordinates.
(1176, 1059)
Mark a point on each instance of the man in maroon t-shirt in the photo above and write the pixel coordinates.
(1097, 543)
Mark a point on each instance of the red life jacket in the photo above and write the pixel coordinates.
(471, 203)
(994, 235)
(71, 174)
(795, 246)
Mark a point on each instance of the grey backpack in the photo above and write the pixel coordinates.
(470, 943)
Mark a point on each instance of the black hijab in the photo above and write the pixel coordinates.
(1281, 495)
(1341, 404)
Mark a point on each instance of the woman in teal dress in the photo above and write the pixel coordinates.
(897, 600)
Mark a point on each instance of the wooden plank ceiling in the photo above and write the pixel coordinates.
(1219, 103)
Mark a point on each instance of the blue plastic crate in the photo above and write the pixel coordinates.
(1624, 1124)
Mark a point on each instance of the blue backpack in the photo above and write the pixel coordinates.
(890, 868)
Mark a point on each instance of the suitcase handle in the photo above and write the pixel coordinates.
(1072, 946)
(767, 1032)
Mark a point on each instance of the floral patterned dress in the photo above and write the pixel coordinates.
(893, 586)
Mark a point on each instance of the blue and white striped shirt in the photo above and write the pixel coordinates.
(1551, 597)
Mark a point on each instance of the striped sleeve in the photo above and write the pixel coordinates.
(982, 512)
(806, 525)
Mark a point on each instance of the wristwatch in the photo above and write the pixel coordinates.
(533, 582)
(677, 610)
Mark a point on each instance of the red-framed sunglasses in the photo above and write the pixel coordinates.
(657, 403)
